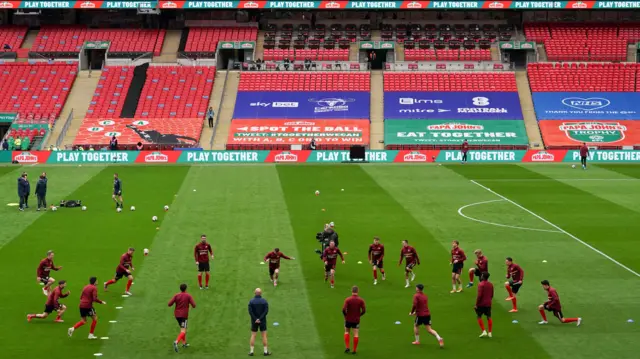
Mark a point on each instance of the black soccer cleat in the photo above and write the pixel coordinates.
(354, 353)
(317, 251)
(347, 351)
(267, 354)
(175, 346)
(185, 345)
(251, 354)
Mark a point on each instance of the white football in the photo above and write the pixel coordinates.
(54, 208)
(146, 251)
(317, 193)
(84, 208)
(166, 208)
(154, 218)
(133, 208)
(573, 166)
(119, 210)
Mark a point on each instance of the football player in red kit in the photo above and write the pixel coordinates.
(411, 258)
(182, 301)
(457, 263)
(201, 253)
(53, 304)
(123, 269)
(352, 309)
(553, 305)
(420, 310)
(330, 257)
(44, 270)
(376, 256)
(88, 296)
(273, 258)
(482, 266)
(515, 276)
(483, 304)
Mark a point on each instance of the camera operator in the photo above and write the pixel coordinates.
(327, 235)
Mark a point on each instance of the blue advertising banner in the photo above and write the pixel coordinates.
(452, 105)
(587, 105)
(302, 105)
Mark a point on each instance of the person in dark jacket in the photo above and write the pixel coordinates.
(258, 309)
(23, 191)
(41, 192)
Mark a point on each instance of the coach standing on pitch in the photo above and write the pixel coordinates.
(23, 191)
(258, 309)
(41, 191)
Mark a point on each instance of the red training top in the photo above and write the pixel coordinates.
(182, 301)
(89, 296)
(202, 252)
(485, 294)
(554, 300)
(353, 308)
(420, 305)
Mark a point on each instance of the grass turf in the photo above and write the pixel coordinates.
(248, 210)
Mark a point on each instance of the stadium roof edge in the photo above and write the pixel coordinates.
(322, 4)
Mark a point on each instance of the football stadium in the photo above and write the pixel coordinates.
(386, 175)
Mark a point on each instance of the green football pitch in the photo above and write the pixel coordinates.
(578, 229)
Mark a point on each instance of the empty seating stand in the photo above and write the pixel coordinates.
(176, 92)
(450, 81)
(316, 81)
(62, 41)
(583, 42)
(111, 92)
(203, 41)
(582, 77)
(447, 55)
(36, 92)
(12, 36)
(302, 54)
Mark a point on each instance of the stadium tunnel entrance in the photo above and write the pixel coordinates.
(376, 58)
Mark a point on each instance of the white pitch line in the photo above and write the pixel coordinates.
(498, 224)
(555, 179)
(561, 230)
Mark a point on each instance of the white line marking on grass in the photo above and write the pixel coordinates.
(561, 230)
(555, 179)
(113, 321)
(498, 224)
(118, 307)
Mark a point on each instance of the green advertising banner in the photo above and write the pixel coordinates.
(37, 126)
(96, 44)
(62, 157)
(604, 156)
(8, 117)
(443, 132)
(517, 45)
(237, 45)
(482, 156)
(374, 45)
(223, 156)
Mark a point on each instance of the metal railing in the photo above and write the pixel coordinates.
(217, 121)
(65, 128)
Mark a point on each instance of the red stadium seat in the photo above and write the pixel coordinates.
(450, 81)
(13, 36)
(111, 92)
(315, 81)
(591, 77)
(205, 39)
(67, 38)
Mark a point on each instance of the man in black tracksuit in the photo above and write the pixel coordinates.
(258, 309)
(23, 191)
(41, 192)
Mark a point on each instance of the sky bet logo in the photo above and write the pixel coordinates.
(275, 104)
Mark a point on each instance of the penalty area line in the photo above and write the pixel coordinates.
(559, 229)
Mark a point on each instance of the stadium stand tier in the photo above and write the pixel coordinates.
(203, 41)
(111, 92)
(12, 36)
(65, 40)
(449, 81)
(447, 55)
(316, 81)
(582, 77)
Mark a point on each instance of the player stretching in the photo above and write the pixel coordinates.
(182, 302)
(515, 274)
(482, 266)
(124, 269)
(457, 262)
(410, 256)
(553, 305)
(330, 256)
(376, 255)
(201, 254)
(420, 309)
(274, 264)
(88, 296)
(44, 270)
(117, 191)
(53, 304)
(483, 303)
(353, 309)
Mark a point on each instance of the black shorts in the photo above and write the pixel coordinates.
(426, 320)
(117, 193)
(261, 327)
(477, 272)
(378, 263)
(182, 322)
(203, 267)
(557, 313)
(410, 265)
(44, 280)
(119, 275)
(272, 270)
(87, 312)
(514, 287)
(351, 325)
(480, 311)
(51, 308)
(457, 267)
(329, 267)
